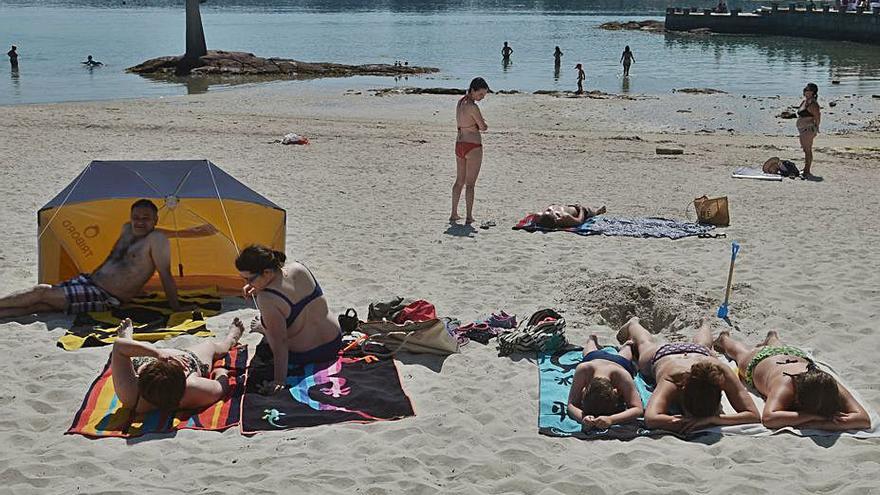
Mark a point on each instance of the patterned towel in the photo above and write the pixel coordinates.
(335, 392)
(556, 372)
(627, 227)
(101, 414)
(153, 320)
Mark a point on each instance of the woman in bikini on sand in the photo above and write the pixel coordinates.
(468, 147)
(797, 393)
(690, 380)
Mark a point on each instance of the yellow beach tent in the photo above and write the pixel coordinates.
(78, 227)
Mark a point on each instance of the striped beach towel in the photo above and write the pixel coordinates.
(102, 415)
(153, 320)
(652, 227)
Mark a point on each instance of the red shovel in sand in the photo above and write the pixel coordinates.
(722, 310)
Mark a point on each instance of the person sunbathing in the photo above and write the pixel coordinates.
(689, 382)
(796, 392)
(141, 250)
(298, 332)
(562, 216)
(147, 377)
(603, 392)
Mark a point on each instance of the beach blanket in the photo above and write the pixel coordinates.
(556, 372)
(627, 227)
(754, 173)
(102, 415)
(334, 392)
(153, 320)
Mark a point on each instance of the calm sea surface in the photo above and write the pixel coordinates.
(462, 38)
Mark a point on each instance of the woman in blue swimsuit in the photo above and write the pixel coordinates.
(603, 392)
(294, 316)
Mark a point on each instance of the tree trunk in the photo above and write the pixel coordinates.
(195, 35)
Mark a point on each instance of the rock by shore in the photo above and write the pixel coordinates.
(652, 26)
(223, 63)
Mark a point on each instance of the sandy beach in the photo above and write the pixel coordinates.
(367, 204)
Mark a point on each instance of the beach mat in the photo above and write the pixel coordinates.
(555, 375)
(102, 415)
(654, 227)
(152, 317)
(335, 392)
(754, 173)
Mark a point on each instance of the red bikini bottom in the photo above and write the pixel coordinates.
(462, 148)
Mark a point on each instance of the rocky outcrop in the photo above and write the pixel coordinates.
(653, 26)
(222, 63)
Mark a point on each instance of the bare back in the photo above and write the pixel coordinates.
(130, 264)
(314, 325)
(469, 120)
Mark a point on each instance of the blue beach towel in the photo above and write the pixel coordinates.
(556, 372)
(626, 227)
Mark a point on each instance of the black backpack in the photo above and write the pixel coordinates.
(788, 169)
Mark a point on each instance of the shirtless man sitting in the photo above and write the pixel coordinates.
(140, 251)
(563, 216)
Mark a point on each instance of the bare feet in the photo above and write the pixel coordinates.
(601, 210)
(704, 322)
(454, 218)
(125, 329)
(623, 333)
(469, 220)
(257, 325)
(772, 338)
(717, 343)
(236, 330)
(595, 340)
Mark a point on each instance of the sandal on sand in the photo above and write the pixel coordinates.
(489, 223)
(502, 320)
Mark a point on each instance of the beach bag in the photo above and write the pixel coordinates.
(427, 337)
(387, 310)
(713, 211)
(788, 169)
(420, 310)
(543, 332)
(349, 321)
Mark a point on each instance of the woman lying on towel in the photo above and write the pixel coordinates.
(563, 216)
(690, 379)
(603, 392)
(294, 316)
(147, 377)
(796, 392)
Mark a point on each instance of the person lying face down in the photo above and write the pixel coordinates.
(796, 392)
(146, 377)
(690, 380)
(603, 392)
(562, 216)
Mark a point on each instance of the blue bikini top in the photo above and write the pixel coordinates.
(297, 308)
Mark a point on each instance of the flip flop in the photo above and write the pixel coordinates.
(488, 223)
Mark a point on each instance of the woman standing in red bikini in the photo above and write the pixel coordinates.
(468, 147)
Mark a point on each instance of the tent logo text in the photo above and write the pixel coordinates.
(78, 238)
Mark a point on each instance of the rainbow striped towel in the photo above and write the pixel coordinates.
(102, 415)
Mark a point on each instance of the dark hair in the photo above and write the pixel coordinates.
(816, 392)
(600, 398)
(545, 220)
(812, 87)
(700, 389)
(145, 203)
(256, 258)
(162, 384)
(626, 48)
(477, 84)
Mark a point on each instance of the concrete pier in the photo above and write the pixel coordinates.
(807, 22)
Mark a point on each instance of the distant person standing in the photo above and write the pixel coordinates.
(557, 56)
(91, 62)
(627, 59)
(808, 117)
(581, 77)
(506, 50)
(13, 57)
(468, 147)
